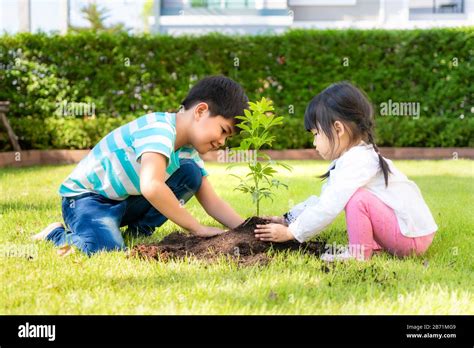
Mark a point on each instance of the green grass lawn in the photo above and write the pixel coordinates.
(440, 282)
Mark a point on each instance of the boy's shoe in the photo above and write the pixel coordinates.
(344, 256)
(43, 234)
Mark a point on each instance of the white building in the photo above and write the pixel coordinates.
(177, 17)
(259, 16)
(385, 14)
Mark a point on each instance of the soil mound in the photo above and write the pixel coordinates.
(239, 244)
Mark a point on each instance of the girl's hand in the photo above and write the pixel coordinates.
(276, 219)
(273, 233)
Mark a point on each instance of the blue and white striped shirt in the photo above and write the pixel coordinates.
(112, 167)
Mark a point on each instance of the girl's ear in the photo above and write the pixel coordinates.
(339, 128)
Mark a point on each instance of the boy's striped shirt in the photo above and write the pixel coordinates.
(112, 167)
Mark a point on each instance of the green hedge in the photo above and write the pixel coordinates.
(128, 76)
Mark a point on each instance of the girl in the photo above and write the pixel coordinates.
(384, 210)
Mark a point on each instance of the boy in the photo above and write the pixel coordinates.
(142, 173)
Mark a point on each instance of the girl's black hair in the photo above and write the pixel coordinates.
(346, 103)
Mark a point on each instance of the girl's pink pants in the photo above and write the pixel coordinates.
(372, 226)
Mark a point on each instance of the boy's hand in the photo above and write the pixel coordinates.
(276, 219)
(273, 233)
(207, 231)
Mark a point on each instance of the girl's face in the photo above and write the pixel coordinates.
(323, 145)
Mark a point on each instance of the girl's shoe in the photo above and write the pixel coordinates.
(344, 256)
(43, 234)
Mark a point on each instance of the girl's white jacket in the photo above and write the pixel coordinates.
(359, 167)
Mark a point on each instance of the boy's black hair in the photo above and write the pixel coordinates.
(224, 96)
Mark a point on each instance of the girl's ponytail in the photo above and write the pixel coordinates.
(382, 162)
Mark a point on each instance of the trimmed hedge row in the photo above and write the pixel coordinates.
(127, 76)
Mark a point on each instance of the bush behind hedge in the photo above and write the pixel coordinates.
(128, 76)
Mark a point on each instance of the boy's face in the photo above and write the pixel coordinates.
(209, 133)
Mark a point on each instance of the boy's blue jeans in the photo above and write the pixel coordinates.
(93, 222)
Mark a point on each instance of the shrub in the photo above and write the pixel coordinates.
(127, 76)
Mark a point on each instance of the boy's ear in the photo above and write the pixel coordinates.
(339, 128)
(200, 110)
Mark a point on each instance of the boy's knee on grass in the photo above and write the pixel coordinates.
(104, 236)
(92, 247)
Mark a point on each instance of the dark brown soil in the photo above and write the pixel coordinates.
(239, 244)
